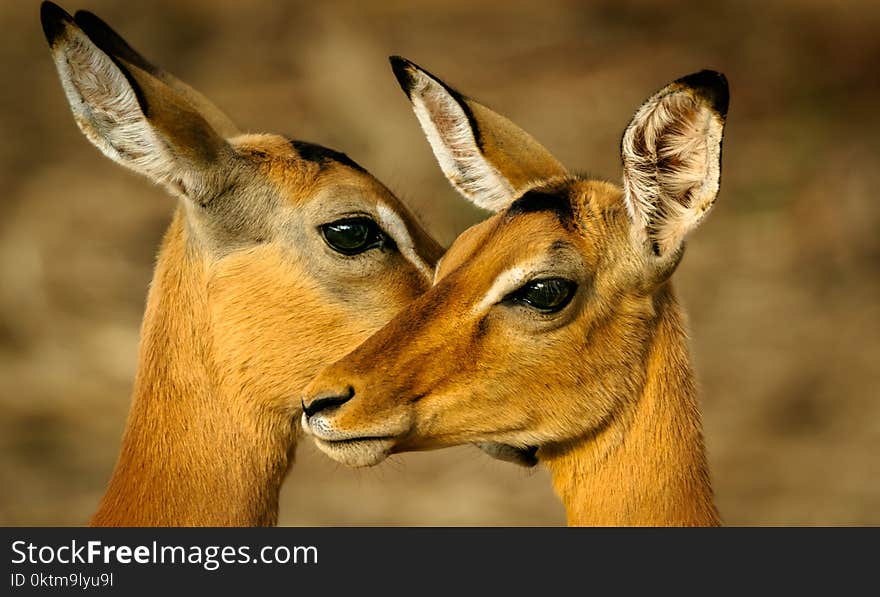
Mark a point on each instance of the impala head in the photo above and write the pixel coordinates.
(295, 251)
(538, 320)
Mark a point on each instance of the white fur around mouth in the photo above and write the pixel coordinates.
(348, 449)
(356, 452)
(304, 423)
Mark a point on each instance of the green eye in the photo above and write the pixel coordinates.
(547, 295)
(352, 236)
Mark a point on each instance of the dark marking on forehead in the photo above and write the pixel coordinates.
(559, 245)
(541, 201)
(321, 155)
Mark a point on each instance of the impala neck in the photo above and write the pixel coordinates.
(190, 456)
(647, 466)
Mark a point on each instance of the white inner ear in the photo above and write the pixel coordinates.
(666, 204)
(449, 132)
(106, 109)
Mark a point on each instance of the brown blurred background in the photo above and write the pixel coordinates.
(781, 282)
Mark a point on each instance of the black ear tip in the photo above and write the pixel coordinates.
(93, 27)
(398, 61)
(402, 69)
(711, 86)
(86, 18)
(54, 20)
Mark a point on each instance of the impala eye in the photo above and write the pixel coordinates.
(352, 236)
(547, 295)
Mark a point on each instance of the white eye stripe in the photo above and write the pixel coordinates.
(394, 225)
(437, 270)
(506, 282)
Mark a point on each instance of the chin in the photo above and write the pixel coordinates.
(356, 452)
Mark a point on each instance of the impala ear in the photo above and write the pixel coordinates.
(672, 160)
(486, 157)
(133, 116)
(114, 45)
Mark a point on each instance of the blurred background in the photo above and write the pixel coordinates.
(781, 282)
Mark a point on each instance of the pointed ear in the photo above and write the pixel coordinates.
(487, 158)
(672, 160)
(132, 116)
(112, 44)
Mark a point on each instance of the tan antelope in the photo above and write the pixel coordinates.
(281, 257)
(551, 327)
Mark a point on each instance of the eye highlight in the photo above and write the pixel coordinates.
(352, 236)
(547, 295)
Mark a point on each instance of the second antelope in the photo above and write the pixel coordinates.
(552, 326)
(281, 256)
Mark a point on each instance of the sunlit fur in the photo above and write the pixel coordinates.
(604, 388)
(518, 160)
(247, 301)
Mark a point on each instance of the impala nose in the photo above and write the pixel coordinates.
(319, 403)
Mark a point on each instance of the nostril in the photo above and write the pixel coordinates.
(325, 402)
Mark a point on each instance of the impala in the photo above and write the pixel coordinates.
(552, 327)
(281, 256)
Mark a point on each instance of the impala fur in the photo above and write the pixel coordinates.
(248, 300)
(597, 386)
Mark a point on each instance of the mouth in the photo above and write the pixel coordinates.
(354, 451)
